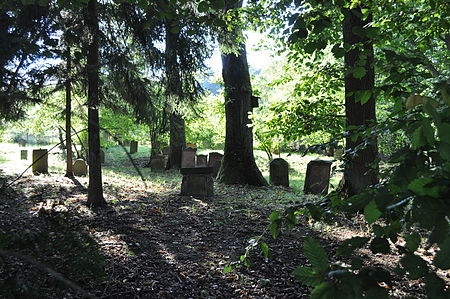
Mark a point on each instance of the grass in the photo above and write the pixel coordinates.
(119, 167)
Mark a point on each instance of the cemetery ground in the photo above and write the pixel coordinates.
(150, 242)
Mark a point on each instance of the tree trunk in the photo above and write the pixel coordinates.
(361, 170)
(238, 164)
(95, 191)
(173, 93)
(69, 172)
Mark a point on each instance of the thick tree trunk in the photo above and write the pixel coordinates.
(95, 191)
(238, 164)
(69, 172)
(361, 170)
(174, 92)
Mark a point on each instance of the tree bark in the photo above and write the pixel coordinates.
(69, 172)
(361, 169)
(173, 92)
(95, 190)
(238, 164)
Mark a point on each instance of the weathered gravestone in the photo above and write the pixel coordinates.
(23, 155)
(79, 168)
(188, 158)
(158, 163)
(133, 147)
(338, 153)
(317, 177)
(166, 150)
(102, 156)
(214, 161)
(197, 182)
(40, 161)
(202, 161)
(22, 142)
(279, 172)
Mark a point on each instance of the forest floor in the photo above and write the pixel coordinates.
(150, 242)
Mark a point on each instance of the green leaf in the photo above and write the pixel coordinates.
(349, 245)
(435, 287)
(324, 290)
(419, 186)
(274, 216)
(418, 138)
(229, 268)
(27, 2)
(315, 254)
(413, 242)
(444, 150)
(338, 51)
(217, 4)
(371, 212)
(442, 259)
(308, 276)
(380, 245)
(265, 249)
(444, 132)
(415, 265)
(363, 96)
(359, 72)
(356, 263)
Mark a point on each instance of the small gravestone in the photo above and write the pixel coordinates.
(133, 147)
(202, 161)
(188, 158)
(40, 161)
(126, 142)
(102, 156)
(22, 142)
(166, 150)
(338, 153)
(214, 161)
(197, 182)
(79, 168)
(158, 163)
(317, 177)
(279, 172)
(23, 155)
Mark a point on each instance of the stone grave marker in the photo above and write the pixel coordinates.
(202, 161)
(214, 161)
(317, 177)
(23, 154)
(79, 168)
(133, 147)
(40, 161)
(279, 172)
(197, 181)
(102, 156)
(158, 163)
(166, 150)
(22, 142)
(188, 158)
(338, 153)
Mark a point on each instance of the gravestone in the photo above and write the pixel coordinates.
(338, 153)
(197, 181)
(317, 177)
(202, 161)
(23, 155)
(279, 172)
(22, 142)
(126, 143)
(166, 150)
(102, 156)
(79, 168)
(133, 147)
(214, 161)
(330, 151)
(188, 158)
(40, 161)
(158, 163)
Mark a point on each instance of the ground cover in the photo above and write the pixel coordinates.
(150, 242)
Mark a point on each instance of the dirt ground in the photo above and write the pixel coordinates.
(150, 242)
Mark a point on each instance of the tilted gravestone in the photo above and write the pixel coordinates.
(214, 161)
(279, 172)
(133, 147)
(317, 177)
(23, 155)
(197, 182)
(202, 161)
(158, 163)
(79, 168)
(40, 161)
(188, 158)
